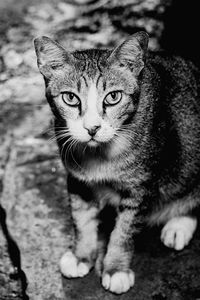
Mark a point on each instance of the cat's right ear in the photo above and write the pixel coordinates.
(131, 53)
(50, 55)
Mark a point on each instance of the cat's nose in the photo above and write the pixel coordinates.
(93, 130)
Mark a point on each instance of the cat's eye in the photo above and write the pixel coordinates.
(70, 99)
(113, 98)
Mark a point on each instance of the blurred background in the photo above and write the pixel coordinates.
(34, 215)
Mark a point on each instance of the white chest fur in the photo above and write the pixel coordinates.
(96, 171)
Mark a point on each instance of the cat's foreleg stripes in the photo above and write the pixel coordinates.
(117, 275)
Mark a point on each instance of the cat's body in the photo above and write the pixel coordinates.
(136, 147)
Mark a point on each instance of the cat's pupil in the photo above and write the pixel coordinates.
(114, 95)
(71, 96)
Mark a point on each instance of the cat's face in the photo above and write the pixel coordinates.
(94, 107)
(95, 92)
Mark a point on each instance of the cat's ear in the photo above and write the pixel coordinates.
(50, 55)
(131, 53)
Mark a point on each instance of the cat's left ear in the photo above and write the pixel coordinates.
(50, 55)
(131, 53)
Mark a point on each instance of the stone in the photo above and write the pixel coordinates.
(12, 59)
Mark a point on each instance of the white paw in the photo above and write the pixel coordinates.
(178, 232)
(119, 282)
(71, 268)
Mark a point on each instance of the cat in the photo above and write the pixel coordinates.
(127, 124)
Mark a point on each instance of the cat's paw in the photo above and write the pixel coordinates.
(71, 267)
(119, 282)
(178, 232)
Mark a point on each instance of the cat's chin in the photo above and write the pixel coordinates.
(93, 143)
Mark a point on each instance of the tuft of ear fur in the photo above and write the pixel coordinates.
(131, 53)
(50, 55)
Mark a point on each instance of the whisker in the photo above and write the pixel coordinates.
(75, 144)
(84, 149)
(63, 147)
(66, 154)
(51, 129)
(60, 135)
(124, 135)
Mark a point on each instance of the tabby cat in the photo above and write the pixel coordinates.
(128, 128)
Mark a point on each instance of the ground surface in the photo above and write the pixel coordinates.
(34, 215)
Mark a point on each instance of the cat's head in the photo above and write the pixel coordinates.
(94, 92)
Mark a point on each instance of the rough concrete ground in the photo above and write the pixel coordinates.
(34, 214)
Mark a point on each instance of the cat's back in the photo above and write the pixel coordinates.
(175, 72)
(179, 106)
(179, 83)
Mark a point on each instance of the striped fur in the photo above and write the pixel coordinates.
(128, 129)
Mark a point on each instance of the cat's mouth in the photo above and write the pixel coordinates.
(96, 141)
(93, 143)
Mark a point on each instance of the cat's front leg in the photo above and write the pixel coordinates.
(84, 213)
(117, 275)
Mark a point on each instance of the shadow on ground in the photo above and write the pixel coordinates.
(17, 273)
(161, 274)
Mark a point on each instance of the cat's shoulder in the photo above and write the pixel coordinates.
(174, 72)
(166, 62)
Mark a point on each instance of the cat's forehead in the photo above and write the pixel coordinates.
(92, 67)
(91, 61)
